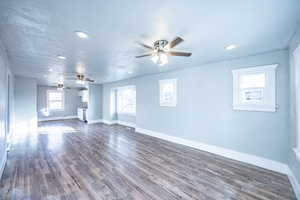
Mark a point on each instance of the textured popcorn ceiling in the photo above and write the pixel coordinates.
(35, 32)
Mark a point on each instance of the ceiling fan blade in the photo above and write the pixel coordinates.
(89, 80)
(175, 42)
(145, 45)
(176, 53)
(68, 88)
(144, 55)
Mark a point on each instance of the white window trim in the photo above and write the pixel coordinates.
(296, 55)
(270, 71)
(63, 100)
(174, 103)
(125, 88)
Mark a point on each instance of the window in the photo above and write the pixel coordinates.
(254, 88)
(55, 100)
(168, 92)
(126, 100)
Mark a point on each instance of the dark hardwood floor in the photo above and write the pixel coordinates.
(71, 160)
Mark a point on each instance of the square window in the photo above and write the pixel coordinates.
(254, 88)
(168, 92)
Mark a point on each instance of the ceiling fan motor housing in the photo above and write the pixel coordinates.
(159, 45)
(80, 77)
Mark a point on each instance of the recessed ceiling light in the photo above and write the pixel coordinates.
(50, 70)
(61, 57)
(81, 34)
(231, 47)
(129, 72)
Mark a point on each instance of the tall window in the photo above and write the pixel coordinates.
(168, 92)
(126, 100)
(55, 100)
(254, 88)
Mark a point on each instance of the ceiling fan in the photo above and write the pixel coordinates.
(162, 49)
(81, 79)
(60, 86)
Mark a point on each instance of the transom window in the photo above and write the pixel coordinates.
(126, 100)
(254, 88)
(55, 100)
(168, 92)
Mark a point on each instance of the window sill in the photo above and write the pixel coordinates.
(259, 108)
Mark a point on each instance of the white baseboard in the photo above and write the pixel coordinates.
(129, 124)
(57, 118)
(109, 122)
(3, 163)
(95, 121)
(243, 157)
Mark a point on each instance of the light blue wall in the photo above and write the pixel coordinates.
(72, 102)
(204, 110)
(294, 162)
(95, 102)
(4, 72)
(25, 105)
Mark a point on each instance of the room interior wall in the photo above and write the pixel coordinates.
(294, 160)
(25, 103)
(95, 103)
(204, 110)
(72, 102)
(4, 87)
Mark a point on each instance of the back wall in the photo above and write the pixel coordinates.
(72, 102)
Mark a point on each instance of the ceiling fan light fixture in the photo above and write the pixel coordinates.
(163, 59)
(155, 58)
(81, 82)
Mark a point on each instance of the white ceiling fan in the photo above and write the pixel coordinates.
(161, 49)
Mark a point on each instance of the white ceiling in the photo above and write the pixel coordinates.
(35, 32)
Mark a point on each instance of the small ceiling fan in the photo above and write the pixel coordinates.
(162, 49)
(60, 86)
(81, 79)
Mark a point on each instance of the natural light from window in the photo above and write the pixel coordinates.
(126, 100)
(252, 81)
(252, 87)
(55, 100)
(168, 92)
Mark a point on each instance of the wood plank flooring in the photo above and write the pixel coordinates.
(69, 160)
